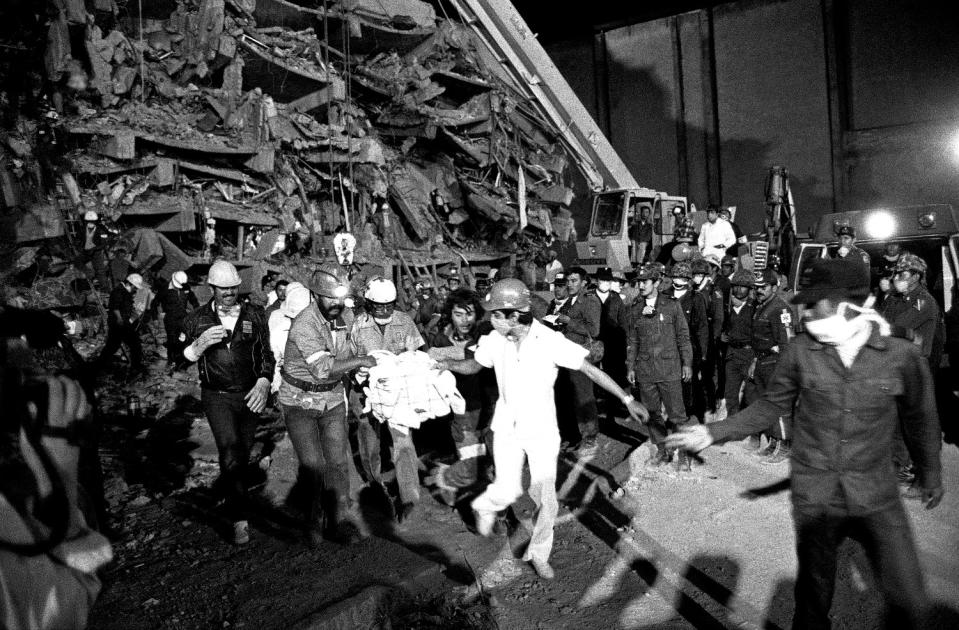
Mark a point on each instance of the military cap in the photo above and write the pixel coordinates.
(846, 230)
(699, 266)
(681, 270)
(766, 276)
(728, 260)
(649, 271)
(742, 278)
(560, 279)
(911, 262)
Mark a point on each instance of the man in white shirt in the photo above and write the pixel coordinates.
(716, 235)
(526, 356)
(553, 267)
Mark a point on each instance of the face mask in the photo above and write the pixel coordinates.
(680, 288)
(836, 330)
(843, 251)
(502, 326)
(698, 280)
(383, 321)
(902, 286)
(603, 286)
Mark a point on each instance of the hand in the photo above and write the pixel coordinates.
(692, 439)
(563, 319)
(648, 310)
(687, 373)
(637, 411)
(211, 336)
(631, 376)
(931, 496)
(256, 398)
(724, 337)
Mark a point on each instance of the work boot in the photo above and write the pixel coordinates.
(721, 412)
(683, 461)
(542, 568)
(662, 456)
(780, 454)
(768, 450)
(752, 444)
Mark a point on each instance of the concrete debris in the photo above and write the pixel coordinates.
(322, 119)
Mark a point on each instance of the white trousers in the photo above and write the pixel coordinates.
(509, 454)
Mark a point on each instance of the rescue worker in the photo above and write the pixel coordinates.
(613, 328)
(772, 329)
(915, 316)
(296, 298)
(706, 397)
(847, 245)
(120, 265)
(382, 328)
(427, 314)
(525, 356)
(737, 337)
(553, 267)
(457, 340)
(95, 239)
(176, 301)
(316, 358)
(560, 296)
(726, 213)
(660, 360)
(850, 386)
(727, 266)
(641, 236)
(579, 320)
(716, 236)
(230, 343)
(121, 325)
(693, 306)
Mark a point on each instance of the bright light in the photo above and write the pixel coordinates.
(954, 146)
(880, 225)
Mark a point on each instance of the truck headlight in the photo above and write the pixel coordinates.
(880, 225)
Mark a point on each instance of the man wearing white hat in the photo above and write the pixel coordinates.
(176, 300)
(121, 329)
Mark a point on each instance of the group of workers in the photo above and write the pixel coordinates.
(678, 349)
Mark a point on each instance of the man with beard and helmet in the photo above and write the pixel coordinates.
(706, 397)
(525, 355)
(383, 328)
(230, 343)
(693, 306)
(915, 316)
(316, 358)
(737, 337)
(457, 340)
(772, 330)
(850, 385)
(659, 359)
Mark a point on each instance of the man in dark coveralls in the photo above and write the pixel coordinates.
(854, 385)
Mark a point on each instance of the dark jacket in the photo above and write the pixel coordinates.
(659, 345)
(236, 364)
(613, 332)
(693, 306)
(845, 420)
(120, 300)
(916, 315)
(176, 303)
(584, 318)
(715, 309)
(739, 326)
(772, 326)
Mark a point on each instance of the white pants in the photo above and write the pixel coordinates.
(509, 453)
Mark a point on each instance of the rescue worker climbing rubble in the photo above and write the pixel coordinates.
(525, 356)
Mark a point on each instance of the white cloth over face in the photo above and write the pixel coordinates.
(407, 389)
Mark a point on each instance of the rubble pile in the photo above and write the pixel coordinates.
(377, 117)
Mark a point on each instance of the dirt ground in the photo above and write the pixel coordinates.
(712, 548)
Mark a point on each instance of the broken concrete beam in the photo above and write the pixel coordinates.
(425, 130)
(277, 77)
(123, 78)
(165, 173)
(335, 91)
(555, 194)
(411, 13)
(264, 161)
(283, 13)
(120, 146)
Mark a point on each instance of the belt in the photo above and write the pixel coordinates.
(764, 354)
(309, 386)
(739, 346)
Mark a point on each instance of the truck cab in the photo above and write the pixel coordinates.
(930, 231)
(607, 242)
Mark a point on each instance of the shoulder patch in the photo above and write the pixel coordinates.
(786, 318)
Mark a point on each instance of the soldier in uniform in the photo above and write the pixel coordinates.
(560, 297)
(705, 397)
(693, 306)
(660, 360)
(847, 245)
(613, 324)
(914, 315)
(737, 337)
(772, 330)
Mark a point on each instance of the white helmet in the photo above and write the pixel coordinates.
(297, 299)
(136, 280)
(90, 215)
(223, 274)
(179, 279)
(381, 291)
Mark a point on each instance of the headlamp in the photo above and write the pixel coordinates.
(880, 225)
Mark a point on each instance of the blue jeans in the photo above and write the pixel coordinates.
(321, 442)
(234, 427)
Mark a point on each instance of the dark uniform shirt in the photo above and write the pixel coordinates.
(772, 326)
(715, 311)
(845, 420)
(121, 300)
(739, 326)
(659, 345)
(693, 306)
(176, 304)
(915, 315)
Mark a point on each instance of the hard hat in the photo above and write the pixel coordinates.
(509, 294)
(210, 221)
(699, 266)
(90, 215)
(344, 240)
(649, 271)
(223, 274)
(846, 230)
(381, 291)
(911, 262)
(297, 299)
(136, 280)
(424, 283)
(682, 251)
(179, 279)
(729, 261)
(742, 278)
(681, 270)
(329, 280)
(766, 276)
(713, 260)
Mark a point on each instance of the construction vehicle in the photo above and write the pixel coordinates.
(929, 231)
(526, 66)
